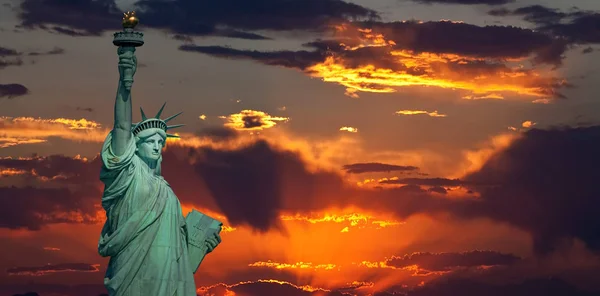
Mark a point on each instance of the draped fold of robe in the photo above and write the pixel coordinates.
(144, 233)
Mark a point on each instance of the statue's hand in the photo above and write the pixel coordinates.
(212, 242)
(127, 60)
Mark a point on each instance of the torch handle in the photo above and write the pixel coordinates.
(127, 56)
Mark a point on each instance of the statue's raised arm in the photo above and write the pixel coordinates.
(122, 127)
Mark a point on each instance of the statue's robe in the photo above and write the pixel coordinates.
(144, 233)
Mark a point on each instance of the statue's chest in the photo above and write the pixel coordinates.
(154, 187)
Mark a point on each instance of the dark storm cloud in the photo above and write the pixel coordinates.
(52, 289)
(449, 261)
(546, 185)
(467, 287)
(232, 18)
(218, 133)
(256, 172)
(537, 14)
(76, 17)
(32, 208)
(467, 2)
(582, 28)
(204, 17)
(63, 168)
(425, 181)
(12, 90)
(493, 42)
(270, 288)
(376, 167)
(52, 268)
(444, 287)
(499, 42)
(290, 59)
(575, 26)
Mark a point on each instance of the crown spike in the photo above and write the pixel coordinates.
(143, 115)
(174, 126)
(160, 111)
(172, 136)
(172, 116)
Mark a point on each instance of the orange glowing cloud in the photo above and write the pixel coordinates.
(528, 124)
(352, 220)
(349, 129)
(29, 130)
(252, 120)
(11, 172)
(230, 289)
(53, 268)
(479, 77)
(298, 265)
(419, 112)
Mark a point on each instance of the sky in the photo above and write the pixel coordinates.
(389, 147)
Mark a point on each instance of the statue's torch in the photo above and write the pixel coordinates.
(128, 40)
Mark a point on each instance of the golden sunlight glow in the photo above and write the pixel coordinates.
(444, 70)
(352, 219)
(11, 172)
(252, 120)
(29, 130)
(205, 291)
(528, 124)
(298, 265)
(349, 129)
(418, 112)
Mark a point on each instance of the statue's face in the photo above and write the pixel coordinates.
(151, 147)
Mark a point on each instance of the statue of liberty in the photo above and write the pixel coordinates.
(145, 234)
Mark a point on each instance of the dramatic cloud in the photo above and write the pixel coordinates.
(575, 26)
(464, 287)
(450, 261)
(32, 208)
(349, 129)
(375, 167)
(549, 174)
(423, 181)
(545, 185)
(12, 90)
(227, 17)
(419, 112)
(75, 18)
(382, 57)
(53, 268)
(267, 287)
(232, 18)
(252, 120)
(451, 287)
(29, 130)
(468, 2)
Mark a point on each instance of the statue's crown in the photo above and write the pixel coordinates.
(156, 122)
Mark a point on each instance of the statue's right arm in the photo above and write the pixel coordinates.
(122, 127)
